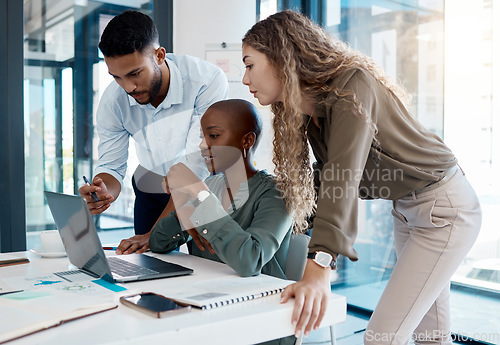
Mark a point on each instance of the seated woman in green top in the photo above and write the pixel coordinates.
(237, 215)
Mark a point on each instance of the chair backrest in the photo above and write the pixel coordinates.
(297, 256)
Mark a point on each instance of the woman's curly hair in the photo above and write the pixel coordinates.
(307, 60)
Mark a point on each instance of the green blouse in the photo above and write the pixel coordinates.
(252, 239)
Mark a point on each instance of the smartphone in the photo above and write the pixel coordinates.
(155, 305)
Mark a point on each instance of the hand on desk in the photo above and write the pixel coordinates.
(138, 244)
(311, 298)
(105, 199)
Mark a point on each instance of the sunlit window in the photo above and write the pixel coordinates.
(445, 54)
(63, 82)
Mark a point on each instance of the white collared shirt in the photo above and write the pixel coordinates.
(164, 135)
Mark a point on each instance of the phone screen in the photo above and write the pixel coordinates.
(154, 302)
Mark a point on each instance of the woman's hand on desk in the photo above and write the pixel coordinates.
(311, 298)
(138, 244)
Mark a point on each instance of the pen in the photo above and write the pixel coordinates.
(8, 292)
(94, 195)
(109, 248)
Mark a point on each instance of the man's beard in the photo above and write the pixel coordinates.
(155, 87)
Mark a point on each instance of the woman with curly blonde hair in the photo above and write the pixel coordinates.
(367, 146)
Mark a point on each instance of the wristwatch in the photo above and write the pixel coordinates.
(202, 195)
(323, 259)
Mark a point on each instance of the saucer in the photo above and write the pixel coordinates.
(39, 251)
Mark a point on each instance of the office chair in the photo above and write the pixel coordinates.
(295, 264)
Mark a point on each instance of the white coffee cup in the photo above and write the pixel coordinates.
(51, 241)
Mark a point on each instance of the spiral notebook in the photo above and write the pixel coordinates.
(218, 292)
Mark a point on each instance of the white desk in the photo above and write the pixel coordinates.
(241, 323)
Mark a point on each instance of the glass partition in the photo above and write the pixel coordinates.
(406, 40)
(444, 53)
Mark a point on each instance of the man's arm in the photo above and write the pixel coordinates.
(113, 142)
(113, 186)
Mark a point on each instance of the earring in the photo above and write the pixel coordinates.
(244, 153)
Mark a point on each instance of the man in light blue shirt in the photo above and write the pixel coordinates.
(158, 99)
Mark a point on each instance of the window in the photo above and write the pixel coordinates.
(64, 77)
(443, 53)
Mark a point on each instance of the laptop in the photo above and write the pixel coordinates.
(84, 248)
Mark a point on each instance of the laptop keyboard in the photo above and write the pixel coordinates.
(75, 276)
(127, 269)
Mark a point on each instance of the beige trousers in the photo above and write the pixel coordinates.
(433, 232)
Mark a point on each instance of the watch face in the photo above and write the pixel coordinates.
(202, 195)
(324, 259)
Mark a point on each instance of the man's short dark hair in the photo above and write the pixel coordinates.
(127, 33)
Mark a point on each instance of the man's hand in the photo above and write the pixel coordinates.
(311, 298)
(138, 244)
(105, 199)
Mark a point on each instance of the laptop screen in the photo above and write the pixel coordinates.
(78, 232)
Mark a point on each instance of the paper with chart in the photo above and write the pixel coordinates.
(44, 300)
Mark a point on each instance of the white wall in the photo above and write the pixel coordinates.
(201, 22)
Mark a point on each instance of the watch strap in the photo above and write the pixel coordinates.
(333, 263)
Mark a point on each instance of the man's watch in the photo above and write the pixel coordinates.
(323, 259)
(202, 195)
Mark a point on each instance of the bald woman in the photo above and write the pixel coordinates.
(237, 215)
